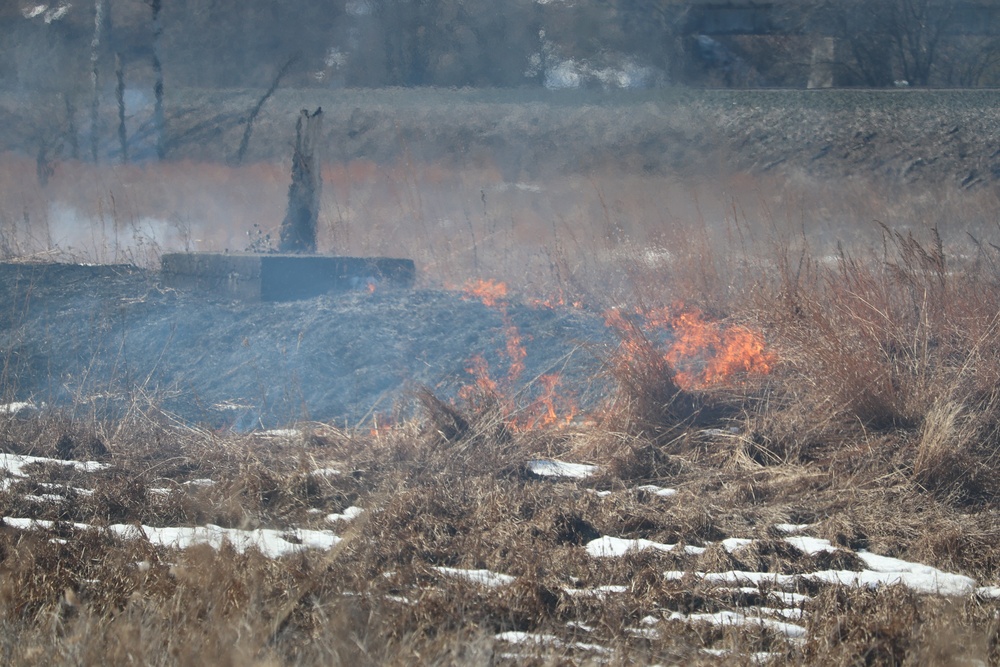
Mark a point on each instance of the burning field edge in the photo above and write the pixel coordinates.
(795, 463)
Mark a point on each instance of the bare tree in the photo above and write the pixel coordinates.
(917, 41)
(95, 78)
(159, 122)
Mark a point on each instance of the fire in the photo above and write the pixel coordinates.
(515, 350)
(553, 301)
(545, 411)
(705, 353)
(480, 370)
(548, 408)
(490, 292)
(493, 294)
(380, 429)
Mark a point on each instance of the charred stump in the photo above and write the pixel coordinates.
(298, 230)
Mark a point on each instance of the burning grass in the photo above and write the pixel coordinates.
(795, 462)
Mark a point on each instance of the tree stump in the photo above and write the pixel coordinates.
(298, 230)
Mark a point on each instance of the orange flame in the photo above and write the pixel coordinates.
(556, 300)
(493, 294)
(704, 353)
(515, 350)
(480, 370)
(380, 429)
(490, 292)
(548, 408)
(545, 411)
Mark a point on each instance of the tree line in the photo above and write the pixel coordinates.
(486, 43)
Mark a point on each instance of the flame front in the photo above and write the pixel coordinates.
(704, 353)
(490, 292)
(548, 408)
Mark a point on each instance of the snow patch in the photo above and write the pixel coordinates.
(348, 514)
(610, 547)
(811, 545)
(483, 577)
(599, 592)
(271, 543)
(657, 490)
(17, 408)
(792, 528)
(551, 468)
(14, 465)
(538, 639)
(737, 618)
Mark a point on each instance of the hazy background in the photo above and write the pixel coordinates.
(46, 46)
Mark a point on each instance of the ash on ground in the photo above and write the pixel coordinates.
(106, 339)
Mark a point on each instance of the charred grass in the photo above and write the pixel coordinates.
(877, 426)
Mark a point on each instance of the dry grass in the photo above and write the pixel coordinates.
(878, 425)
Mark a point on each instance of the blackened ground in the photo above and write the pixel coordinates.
(102, 339)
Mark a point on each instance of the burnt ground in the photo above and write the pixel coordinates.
(104, 339)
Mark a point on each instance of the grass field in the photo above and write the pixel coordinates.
(797, 464)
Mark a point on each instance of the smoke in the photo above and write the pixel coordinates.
(103, 239)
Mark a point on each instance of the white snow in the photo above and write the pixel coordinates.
(736, 618)
(811, 545)
(939, 583)
(348, 514)
(792, 528)
(919, 577)
(992, 592)
(271, 543)
(44, 497)
(484, 577)
(737, 577)
(17, 407)
(609, 547)
(62, 487)
(551, 468)
(29, 524)
(916, 577)
(657, 490)
(326, 472)
(644, 633)
(790, 599)
(281, 433)
(732, 544)
(599, 592)
(538, 639)
(14, 464)
(790, 614)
